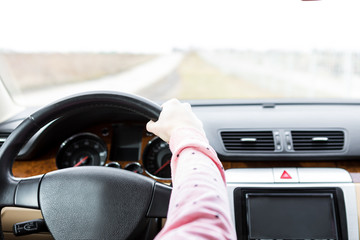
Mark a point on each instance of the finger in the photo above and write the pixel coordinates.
(170, 102)
(151, 126)
(186, 105)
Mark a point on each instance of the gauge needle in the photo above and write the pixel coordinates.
(162, 167)
(81, 161)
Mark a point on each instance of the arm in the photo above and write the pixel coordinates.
(199, 206)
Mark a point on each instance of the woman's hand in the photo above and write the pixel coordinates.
(174, 115)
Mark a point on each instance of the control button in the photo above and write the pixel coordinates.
(288, 140)
(277, 140)
(285, 175)
(29, 227)
(249, 175)
(134, 167)
(113, 165)
(324, 175)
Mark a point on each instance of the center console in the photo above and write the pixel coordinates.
(293, 203)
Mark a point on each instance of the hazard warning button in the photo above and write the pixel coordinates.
(284, 175)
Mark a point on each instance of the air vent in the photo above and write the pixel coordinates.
(317, 140)
(248, 141)
(3, 137)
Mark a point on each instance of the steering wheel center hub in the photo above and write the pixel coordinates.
(94, 202)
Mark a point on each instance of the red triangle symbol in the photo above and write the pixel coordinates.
(285, 175)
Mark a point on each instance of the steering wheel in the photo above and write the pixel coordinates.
(85, 202)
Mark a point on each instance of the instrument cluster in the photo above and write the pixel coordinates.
(84, 149)
(126, 148)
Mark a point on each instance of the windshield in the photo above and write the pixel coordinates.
(185, 49)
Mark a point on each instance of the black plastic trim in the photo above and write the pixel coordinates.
(26, 193)
(160, 201)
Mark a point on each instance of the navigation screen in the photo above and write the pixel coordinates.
(291, 216)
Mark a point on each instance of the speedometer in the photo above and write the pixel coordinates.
(156, 159)
(84, 149)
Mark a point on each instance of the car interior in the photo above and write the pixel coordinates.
(81, 165)
(300, 165)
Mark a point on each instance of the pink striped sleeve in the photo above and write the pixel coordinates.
(199, 205)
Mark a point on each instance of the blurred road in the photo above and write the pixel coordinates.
(131, 81)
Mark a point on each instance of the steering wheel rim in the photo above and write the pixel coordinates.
(32, 192)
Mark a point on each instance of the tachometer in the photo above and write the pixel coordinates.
(156, 159)
(84, 149)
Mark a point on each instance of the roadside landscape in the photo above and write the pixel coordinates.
(191, 78)
(184, 75)
(39, 70)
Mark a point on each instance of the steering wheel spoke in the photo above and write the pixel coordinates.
(26, 192)
(160, 201)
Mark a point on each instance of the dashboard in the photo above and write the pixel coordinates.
(119, 145)
(265, 145)
(243, 135)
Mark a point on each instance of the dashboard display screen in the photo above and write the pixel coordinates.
(291, 216)
(126, 143)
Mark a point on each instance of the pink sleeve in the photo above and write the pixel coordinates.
(199, 205)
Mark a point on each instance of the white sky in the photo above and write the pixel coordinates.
(161, 25)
